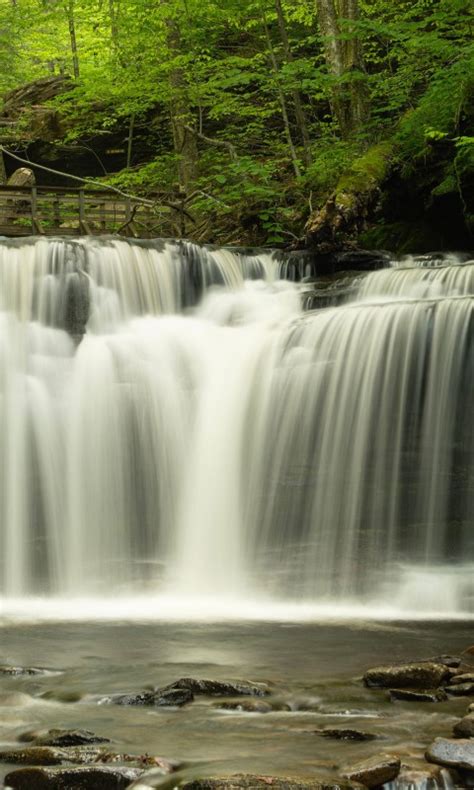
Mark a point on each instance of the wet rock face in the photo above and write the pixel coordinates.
(171, 698)
(220, 688)
(49, 755)
(84, 778)
(376, 771)
(6, 669)
(465, 727)
(406, 695)
(346, 734)
(461, 689)
(280, 783)
(62, 738)
(452, 753)
(423, 675)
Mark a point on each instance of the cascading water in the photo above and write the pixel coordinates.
(174, 424)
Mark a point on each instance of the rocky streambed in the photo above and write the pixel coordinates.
(91, 706)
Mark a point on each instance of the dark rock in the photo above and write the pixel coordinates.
(377, 771)
(84, 778)
(461, 689)
(451, 752)
(26, 671)
(437, 695)
(173, 697)
(219, 688)
(464, 677)
(278, 782)
(48, 755)
(62, 738)
(362, 260)
(346, 734)
(169, 697)
(465, 727)
(448, 661)
(140, 761)
(423, 675)
(142, 698)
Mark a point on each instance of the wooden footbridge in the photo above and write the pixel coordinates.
(63, 211)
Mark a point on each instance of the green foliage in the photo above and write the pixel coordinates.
(224, 69)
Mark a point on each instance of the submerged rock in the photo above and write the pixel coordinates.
(423, 675)
(448, 661)
(85, 778)
(61, 738)
(278, 782)
(219, 688)
(49, 755)
(407, 695)
(169, 697)
(465, 727)
(452, 752)
(6, 669)
(464, 677)
(461, 689)
(346, 734)
(376, 771)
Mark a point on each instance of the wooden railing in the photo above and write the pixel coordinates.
(63, 211)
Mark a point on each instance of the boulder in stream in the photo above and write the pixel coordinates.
(411, 695)
(465, 727)
(239, 781)
(58, 737)
(452, 752)
(161, 698)
(219, 688)
(461, 689)
(346, 734)
(84, 778)
(422, 675)
(7, 669)
(49, 755)
(376, 771)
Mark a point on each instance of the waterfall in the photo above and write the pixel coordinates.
(174, 423)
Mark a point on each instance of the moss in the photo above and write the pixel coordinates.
(402, 237)
(367, 172)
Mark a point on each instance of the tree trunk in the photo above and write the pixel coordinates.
(344, 58)
(299, 110)
(281, 98)
(72, 38)
(185, 143)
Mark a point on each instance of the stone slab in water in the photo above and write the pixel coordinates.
(346, 734)
(169, 697)
(453, 753)
(58, 737)
(84, 778)
(465, 677)
(465, 727)
(408, 695)
(376, 771)
(461, 689)
(221, 688)
(423, 675)
(6, 669)
(49, 755)
(278, 782)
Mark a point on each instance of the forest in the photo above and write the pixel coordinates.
(325, 123)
